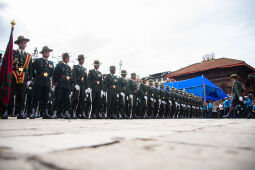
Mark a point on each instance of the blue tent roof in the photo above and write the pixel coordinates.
(196, 86)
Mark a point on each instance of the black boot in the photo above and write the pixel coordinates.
(226, 116)
(6, 114)
(74, 114)
(33, 114)
(54, 116)
(20, 115)
(46, 114)
(67, 115)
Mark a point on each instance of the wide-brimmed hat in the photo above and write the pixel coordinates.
(150, 81)
(144, 79)
(96, 63)
(81, 57)
(133, 74)
(123, 72)
(234, 76)
(65, 55)
(46, 48)
(20, 39)
(112, 68)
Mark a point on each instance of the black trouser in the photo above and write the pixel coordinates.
(62, 101)
(142, 108)
(111, 104)
(235, 102)
(40, 95)
(96, 103)
(79, 100)
(28, 106)
(19, 90)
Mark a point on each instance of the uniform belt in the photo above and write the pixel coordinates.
(112, 87)
(42, 74)
(96, 81)
(65, 77)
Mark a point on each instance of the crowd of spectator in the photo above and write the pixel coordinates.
(217, 109)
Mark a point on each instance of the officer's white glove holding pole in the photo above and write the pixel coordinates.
(77, 87)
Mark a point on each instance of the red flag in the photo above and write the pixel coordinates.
(6, 74)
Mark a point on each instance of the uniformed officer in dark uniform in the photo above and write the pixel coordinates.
(162, 102)
(237, 91)
(62, 83)
(143, 97)
(132, 91)
(79, 76)
(21, 79)
(156, 100)
(110, 83)
(150, 107)
(95, 85)
(168, 101)
(122, 91)
(42, 73)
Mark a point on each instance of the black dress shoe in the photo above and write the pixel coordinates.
(33, 113)
(226, 116)
(20, 116)
(249, 116)
(46, 115)
(67, 115)
(6, 114)
(54, 116)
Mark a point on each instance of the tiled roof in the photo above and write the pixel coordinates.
(208, 65)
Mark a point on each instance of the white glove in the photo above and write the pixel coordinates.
(241, 98)
(159, 101)
(88, 90)
(145, 97)
(118, 95)
(28, 82)
(131, 96)
(152, 99)
(77, 87)
(122, 94)
(102, 93)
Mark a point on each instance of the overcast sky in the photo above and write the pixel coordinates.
(149, 36)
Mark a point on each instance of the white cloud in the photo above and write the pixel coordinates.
(148, 35)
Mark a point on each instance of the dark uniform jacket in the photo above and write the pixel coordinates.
(79, 76)
(143, 91)
(121, 86)
(237, 90)
(110, 83)
(19, 60)
(62, 76)
(95, 80)
(42, 72)
(132, 87)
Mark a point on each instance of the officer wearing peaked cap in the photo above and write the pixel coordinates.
(42, 73)
(122, 91)
(79, 77)
(132, 91)
(110, 84)
(95, 85)
(143, 97)
(62, 82)
(150, 95)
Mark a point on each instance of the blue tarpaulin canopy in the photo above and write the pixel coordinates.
(199, 86)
